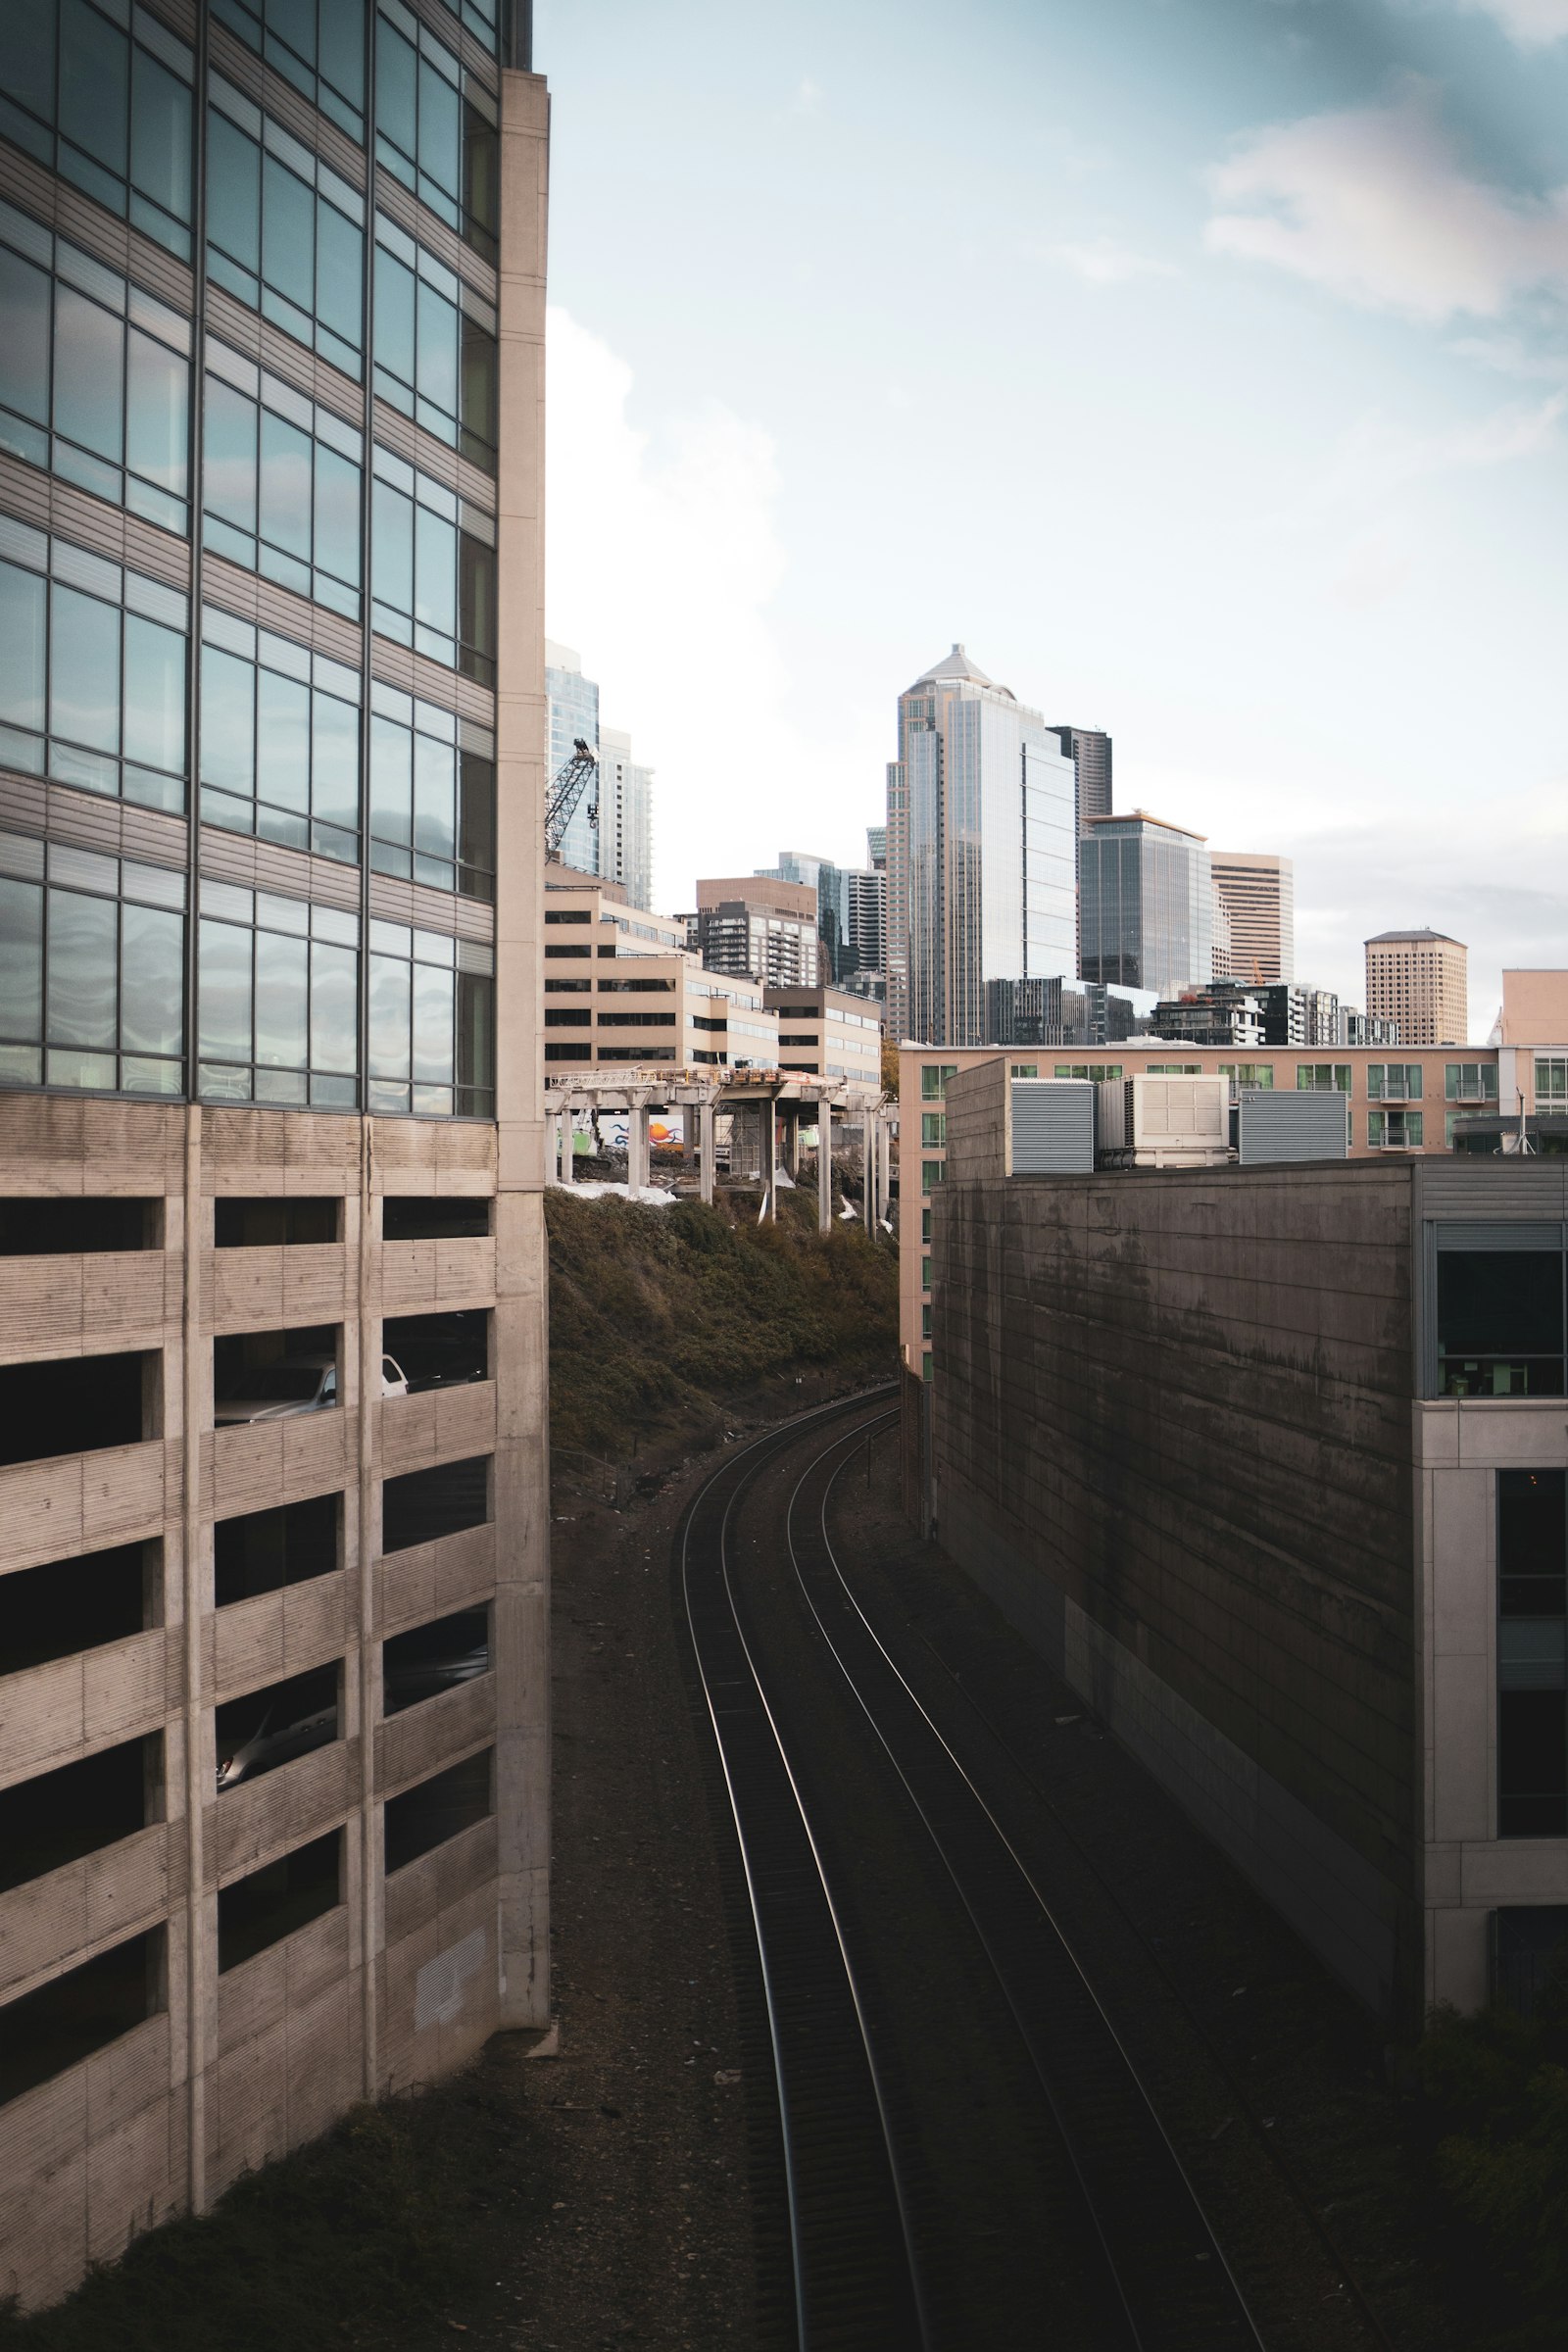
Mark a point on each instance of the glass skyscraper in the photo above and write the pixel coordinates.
(618, 847)
(1147, 904)
(271, 758)
(980, 840)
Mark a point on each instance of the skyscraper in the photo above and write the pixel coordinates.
(1088, 750)
(1145, 905)
(624, 843)
(271, 758)
(1421, 980)
(850, 902)
(574, 717)
(980, 852)
(1258, 895)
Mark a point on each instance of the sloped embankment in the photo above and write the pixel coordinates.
(657, 1316)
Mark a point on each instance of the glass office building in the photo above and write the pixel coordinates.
(1145, 905)
(980, 842)
(271, 746)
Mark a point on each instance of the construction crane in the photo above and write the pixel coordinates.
(566, 791)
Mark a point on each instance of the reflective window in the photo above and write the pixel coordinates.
(1532, 1654)
(279, 739)
(1323, 1077)
(435, 126)
(1470, 1081)
(435, 347)
(284, 232)
(1499, 1322)
(1395, 1130)
(433, 570)
(1393, 1082)
(94, 374)
(91, 970)
(431, 1024)
(319, 45)
(280, 482)
(103, 97)
(432, 796)
(934, 1076)
(1551, 1078)
(92, 671)
(278, 997)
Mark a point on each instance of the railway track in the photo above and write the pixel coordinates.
(969, 2153)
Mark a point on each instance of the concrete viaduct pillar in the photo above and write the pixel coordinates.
(824, 1164)
(706, 1156)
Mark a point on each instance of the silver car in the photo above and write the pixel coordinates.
(273, 1742)
(296, 1384)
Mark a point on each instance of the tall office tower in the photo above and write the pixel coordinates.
(1258, 893)
(1088, 750)
(1219, 954)
(271, 762)
(574, 702)
(1421, 980)
(623, 845)
(876, 848)
(865, 916)
(849, 904)
(1146, 904)
(758, 926)
(980, 852)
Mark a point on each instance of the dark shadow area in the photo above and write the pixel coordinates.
(79, 1807)
(408, 1217)
(424, 1504)
(264, 1224)
(272, 1903)
(271, 1375)
(440, 1351)
(66, 1605)
(66, 2021)
(77, 1404)
(431, 1658)
(68, 1228)
(264, 1550)
(437, 1809)
(268, 1727)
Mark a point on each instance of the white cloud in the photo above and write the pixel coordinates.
(1377, 455)
(1105, 263)
(1374, 205)
(1532, 24)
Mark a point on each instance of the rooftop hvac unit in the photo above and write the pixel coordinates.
(1164, 1122)
(1274, 1128)
(1052, 1127)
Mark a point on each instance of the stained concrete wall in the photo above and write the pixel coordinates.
(1172, 1439)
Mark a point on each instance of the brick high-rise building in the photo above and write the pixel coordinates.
(1421, 980)
(1258, 896)
(273, 1526)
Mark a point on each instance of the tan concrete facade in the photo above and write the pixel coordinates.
(1421, 980)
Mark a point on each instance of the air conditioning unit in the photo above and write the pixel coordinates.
(1164, 1122)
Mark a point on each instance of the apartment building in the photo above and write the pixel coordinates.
(620, 988)
(828, 1033)
(759, 928)
(1421, 980)
(274, 1771)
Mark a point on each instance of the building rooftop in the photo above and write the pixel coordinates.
(1141, 817)
(1381, 938)
(957, 664)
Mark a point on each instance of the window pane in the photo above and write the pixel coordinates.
(85, 670)
(155, 695)
(394, 314)
(285, 496)
(476, 843)
(228, 456)
(439, 146)
(480, 362)
(334, 991)
(89, 362)
(480, 177)
(283, 743)
(433, 1011)
(435, 572)
(24, 345)
(152, 980)
(21, 961)
(21, 644)
(389, 1016)
(395, 74)
(335, 762)
(295, 21)
(160, 136)
(337, 515)
(339, 266)
(282, 974)
(392, 548)
(1499, 1301)
(156, 391)
(30, 57)
(478, 626)
(434, 798)
(391, 780)
(438, 351)
(224, 990)
(477, 1054)
(228, 721)
(93, 84)
(233, 190)
(82, 969)
(342, 56)
(289, 233)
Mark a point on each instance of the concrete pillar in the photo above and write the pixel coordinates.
(706, 1158)
(768, 1112)
(637, 1145)
(824, 1164)
(884, 1165)
(792, 1132)
(868, 1171)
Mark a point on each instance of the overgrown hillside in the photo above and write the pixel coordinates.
(659, 1314)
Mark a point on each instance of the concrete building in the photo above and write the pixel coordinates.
(754, 927)
(1088, 750)
(1224, 1013)
(828, 1033)
(622, 988)
(1258, 895)
(850, 911)
(274, 1763)
(625, 837)
(1296, 1015)
(1421, 980)
(980, 851)
(1145, 905)
(1269, 1464)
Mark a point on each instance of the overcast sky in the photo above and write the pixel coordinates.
(1201, 365)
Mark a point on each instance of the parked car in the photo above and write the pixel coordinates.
(273, 1742)
(296, 1384)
